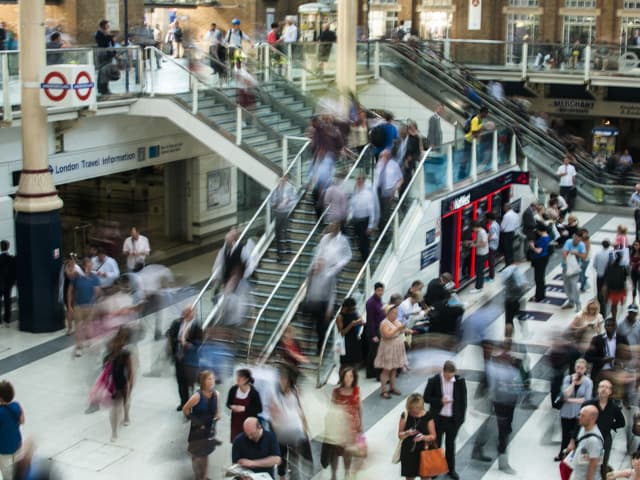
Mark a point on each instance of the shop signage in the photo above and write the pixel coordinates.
(74, 166)
(588, 108)
(473, 193)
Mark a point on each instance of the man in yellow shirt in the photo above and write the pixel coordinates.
(476, 128)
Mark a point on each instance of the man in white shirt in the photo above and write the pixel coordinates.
(136, 248)
(282, 201)
(510, 223)
(157, 42)
(363, 211)
(105, 267)
(214, 39)
(290, 34)
(331, 255)
(481, 244)
(567, 175)
(388, 181)
(601, 261)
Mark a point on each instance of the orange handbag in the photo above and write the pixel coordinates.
(433, 462)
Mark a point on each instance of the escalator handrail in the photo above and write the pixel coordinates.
(553, 146)
(417, 173)
(248, 227)
(292, 308)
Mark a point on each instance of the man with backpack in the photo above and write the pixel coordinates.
(383, 134)
(589, 446)
(234, 40)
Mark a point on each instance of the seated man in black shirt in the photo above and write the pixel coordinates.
(443, 318)
(256, 449)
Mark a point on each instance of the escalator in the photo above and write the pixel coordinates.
(430, 79)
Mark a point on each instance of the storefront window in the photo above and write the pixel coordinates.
(435, 25)
(631, 4)
(630, 34)
(520, 29)
(578, 28)
(382, 23)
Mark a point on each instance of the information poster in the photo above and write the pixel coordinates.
(218, 188)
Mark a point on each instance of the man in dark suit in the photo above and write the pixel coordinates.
(607, 351)
(7, 279)
(529, 228)
(446, 393)
(185, 336)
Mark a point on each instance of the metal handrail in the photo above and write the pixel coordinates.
(282, 278)
(418, 173)
(248, 227)
(175, 62)
(292, 309)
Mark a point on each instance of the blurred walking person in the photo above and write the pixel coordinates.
(11, 418)
(375, 316)
(122, 375)
(331, 255)
(8, 276)
(282, 201)
(84, 290)
(363, 211)
(185, 336)
(203, 410)
(388, 180)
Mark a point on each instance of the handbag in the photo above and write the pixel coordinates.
(573, 266)
(359, 448)
(395, 458)
(101, 393)
(433, 462)
(339, 345)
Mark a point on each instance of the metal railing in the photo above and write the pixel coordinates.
(263, 213)
(294, 303)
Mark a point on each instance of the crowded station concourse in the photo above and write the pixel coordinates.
(273, 260)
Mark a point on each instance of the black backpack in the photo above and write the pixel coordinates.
(467, 123)
(378, 136)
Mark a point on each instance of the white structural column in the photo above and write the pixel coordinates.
(36, 192)
(346, 45)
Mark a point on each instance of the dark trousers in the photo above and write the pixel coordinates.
(372, 372)
(608, 440)
(507, 246)
(568, 426)
(511, 309)
(185, 376)
(539, 273)
(636, 216)
(318, 314)
(480, 260)
(385, 210)
(447, 426)
(504, 417)
(360, 226)
(567, 194)
(601, 298)
(492, 263)
(281, 221)
(5, 293)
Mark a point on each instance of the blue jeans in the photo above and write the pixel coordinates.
(583, 275)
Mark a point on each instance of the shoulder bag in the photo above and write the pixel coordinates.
(573, 266)
(433, 462)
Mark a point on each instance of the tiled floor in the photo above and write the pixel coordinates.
(53, 391)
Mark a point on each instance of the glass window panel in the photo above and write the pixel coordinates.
(631, 4)
(520, 29)
(436, 3)
(581, 3)
(630, 33)
(579, 28)
(523, 3)
(435, 25)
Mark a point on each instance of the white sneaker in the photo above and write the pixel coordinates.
(476, 290)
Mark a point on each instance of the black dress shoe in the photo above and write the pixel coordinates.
(178, 408)
(454, 475)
